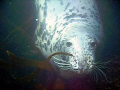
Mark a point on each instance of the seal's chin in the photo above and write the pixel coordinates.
(82, 72)
(83, 66)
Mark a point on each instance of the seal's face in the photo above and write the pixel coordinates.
(82, 48)
(80, 41)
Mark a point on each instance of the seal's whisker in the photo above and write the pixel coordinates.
(95, 75)
(100, 62)
(97, 62)
(62, 64)
(99, 72)
(65, 64)
(65, 68)
(61, 60)
(102, 73)
(102, 66)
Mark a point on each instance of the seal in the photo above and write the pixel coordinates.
(72, 26)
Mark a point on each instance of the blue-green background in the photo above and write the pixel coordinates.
(19, 18)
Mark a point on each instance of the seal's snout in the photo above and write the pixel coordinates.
(83, 68)
(82, 64)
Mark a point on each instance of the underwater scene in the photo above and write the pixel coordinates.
(25, 65)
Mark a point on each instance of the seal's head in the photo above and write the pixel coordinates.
(82, 44)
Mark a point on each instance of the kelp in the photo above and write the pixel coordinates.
(17, 62)
(34, 63)
(7, 65)
(30, 77)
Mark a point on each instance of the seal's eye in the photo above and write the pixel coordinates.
(93, 44)
(68, 44)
